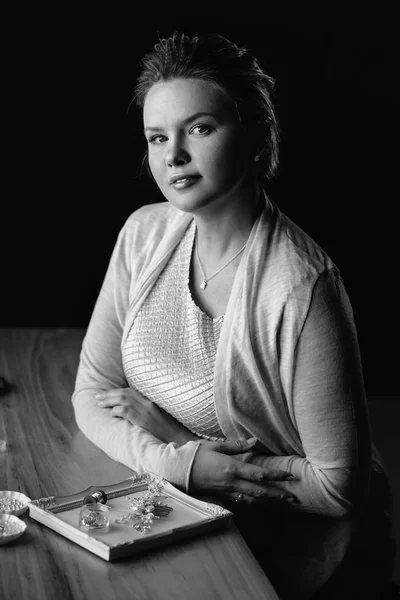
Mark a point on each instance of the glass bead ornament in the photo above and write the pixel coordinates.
(94, 517)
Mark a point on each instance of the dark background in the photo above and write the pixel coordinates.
(71, 166)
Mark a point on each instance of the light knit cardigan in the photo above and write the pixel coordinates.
(315, 426)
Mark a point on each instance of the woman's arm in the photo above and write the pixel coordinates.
(215, 469)
(329, 407)
(100, 368)
(129, 404)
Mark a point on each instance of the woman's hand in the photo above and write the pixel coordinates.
(215, 471)
(130, 405)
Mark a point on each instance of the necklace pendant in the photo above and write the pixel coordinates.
(203, 284)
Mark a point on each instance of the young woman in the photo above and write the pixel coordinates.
(222, 352)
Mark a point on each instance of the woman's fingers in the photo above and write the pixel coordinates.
(216, 472)
(258, 474)
(260, 487)
(234, 447)
(124, 396)
(112, 393)
(272, 498)
(111, 401)
(247, 471)
(122, 411)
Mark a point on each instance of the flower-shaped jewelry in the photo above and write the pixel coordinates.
(145, 509)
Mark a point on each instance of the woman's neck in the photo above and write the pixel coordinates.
(223, 232)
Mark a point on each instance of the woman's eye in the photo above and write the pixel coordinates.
(157, 139)
(200, 129)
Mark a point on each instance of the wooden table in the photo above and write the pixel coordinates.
(46, 454)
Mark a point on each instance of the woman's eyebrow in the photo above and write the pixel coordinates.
(185, 121)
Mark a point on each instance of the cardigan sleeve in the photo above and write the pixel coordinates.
(100, 368)
(329, 407)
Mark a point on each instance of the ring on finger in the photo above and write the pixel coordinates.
(239, 497)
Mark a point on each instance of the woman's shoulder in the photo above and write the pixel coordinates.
(149, 233)
(152, 222)
(292, 247)
(302, 246)
(292, 262)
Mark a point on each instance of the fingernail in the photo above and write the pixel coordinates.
(291, 499)
(98, 396)
(251, 440)
(289, 478)
(100, 404)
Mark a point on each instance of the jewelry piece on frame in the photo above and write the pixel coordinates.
(147, 508)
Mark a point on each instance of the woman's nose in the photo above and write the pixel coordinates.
(177, 155)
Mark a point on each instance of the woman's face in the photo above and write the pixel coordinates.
(197, 147)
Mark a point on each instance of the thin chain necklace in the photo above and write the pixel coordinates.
(205, 280)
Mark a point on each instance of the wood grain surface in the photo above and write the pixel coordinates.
(46, 454)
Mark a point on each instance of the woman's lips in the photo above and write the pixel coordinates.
(183, 181)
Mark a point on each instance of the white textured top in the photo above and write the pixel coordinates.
(169, 354)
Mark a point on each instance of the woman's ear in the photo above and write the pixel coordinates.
(256, 141)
